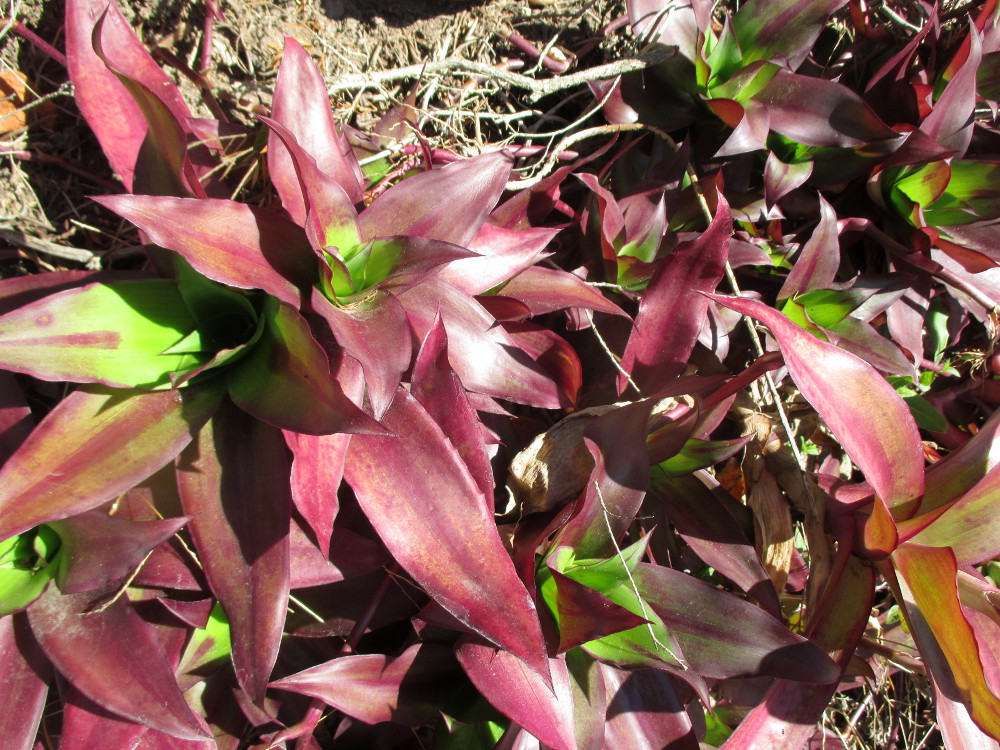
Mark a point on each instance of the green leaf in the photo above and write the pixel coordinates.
(827, 307)
(209, 647)
(925, 184)
(725, 57)
(452, 735)
(646, 645)
(926, 415)
(26, 567)
(115, 334)
(716, 732)
(973, 194)
(286, 381)
(700, 454)
(745, 83)
(225, 317)
(796, 313)
(373, 262)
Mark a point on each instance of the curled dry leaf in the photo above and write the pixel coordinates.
(553, 469)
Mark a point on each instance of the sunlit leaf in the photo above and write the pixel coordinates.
(115, 334)
(863, 411)
(417, 493)
(94, 446)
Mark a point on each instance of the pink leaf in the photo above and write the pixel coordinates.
(374, 688)
(234, 481)
(546, 290)
(817, 262)
(427, 204)
(108, 107)
(85, 725)
(374, 331)
(862, 410)
(427, 509)
(436, 386)
(232, 243)
(92, 447)
(100, 652)
(302, 106)
(26, 674)
(673, 310)
(100, 552)
(644, 711)
(486, 358)
(520, 693)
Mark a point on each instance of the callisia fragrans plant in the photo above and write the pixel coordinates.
(398, 458)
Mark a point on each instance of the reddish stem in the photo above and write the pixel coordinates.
(30, 36)
(58, 161)
(549, 63)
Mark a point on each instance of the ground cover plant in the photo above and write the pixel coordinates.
(674, 430)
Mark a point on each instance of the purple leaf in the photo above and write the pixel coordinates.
(788, 715)
(234, 481)
(437, 388)
(617, 484)
(816, 112)
(586, 615)
(673, 310)
(285, 380)
(951, 119)
(77, 457)
(427, 509)
(704, 521)
(26, 674)
(108, 107)
(520, 693)
(552, 354)
(373, 688)
(85, 725)
(232, 243)
(817, 263)
(15, 416)
(679, 27)
(100, 652)
(374, 331)
(427, 204)
(723, 636)
(486, 358)
(780, 178)
(100, 552)
(863, 411)
(546, 290)
(644, 711)
(751, 123)
(302, 106)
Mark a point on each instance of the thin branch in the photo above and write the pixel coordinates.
(75, 254)
(653, 55)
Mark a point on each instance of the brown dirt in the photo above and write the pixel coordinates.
(46, 199)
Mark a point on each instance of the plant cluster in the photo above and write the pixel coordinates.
(664, 450)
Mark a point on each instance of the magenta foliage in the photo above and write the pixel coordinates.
(385, 454)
